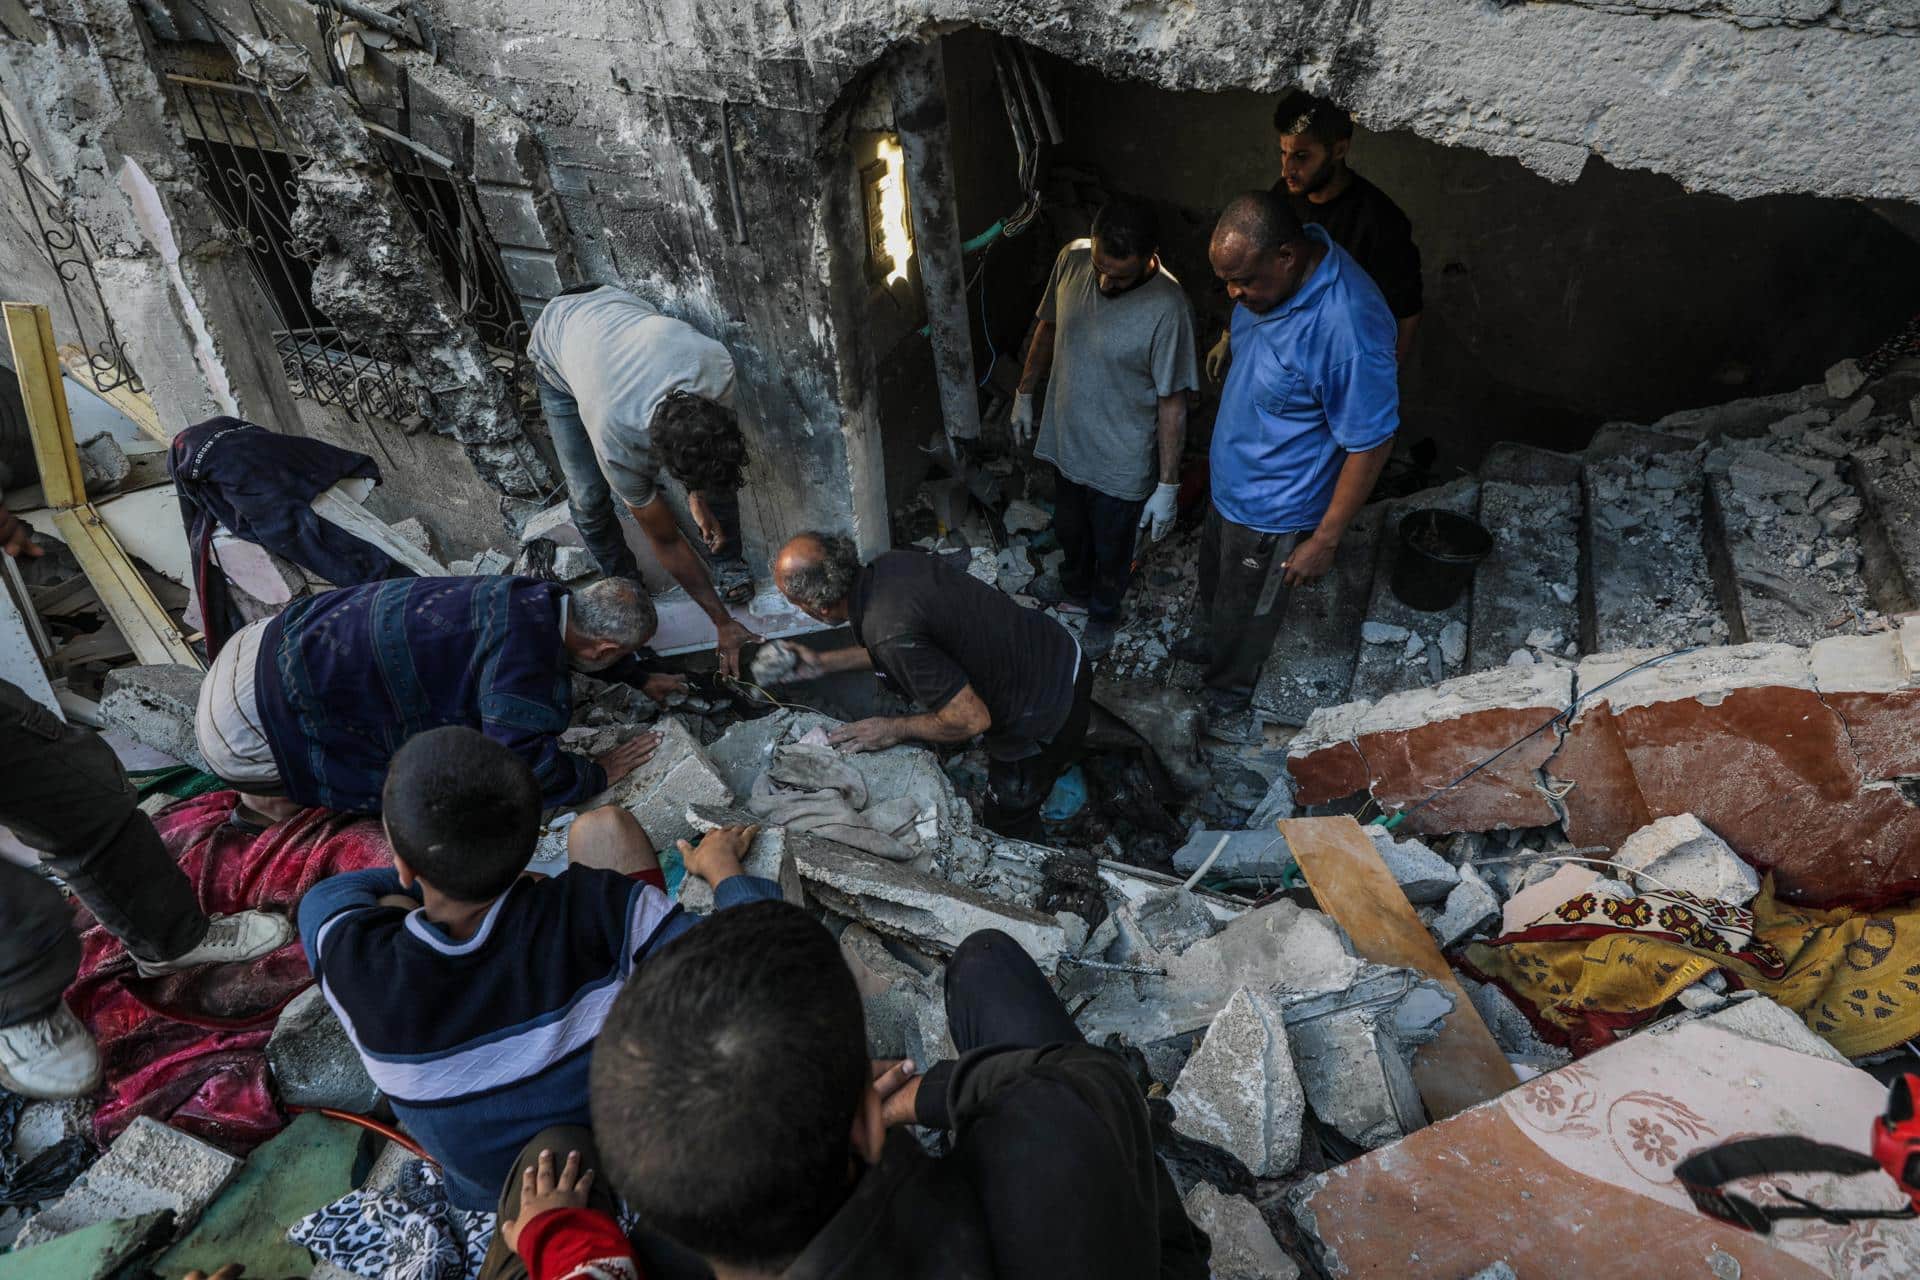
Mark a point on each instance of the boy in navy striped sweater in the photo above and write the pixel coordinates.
(472, 990)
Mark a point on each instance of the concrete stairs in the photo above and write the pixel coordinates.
(1783, 518)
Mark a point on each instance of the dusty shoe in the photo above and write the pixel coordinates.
(1195, 647)
(1097, 639)
(246, 935)
(50, 1057)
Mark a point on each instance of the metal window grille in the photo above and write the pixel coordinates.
(252, 166)
(71, 251)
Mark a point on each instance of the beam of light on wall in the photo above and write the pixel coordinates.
(895, 231)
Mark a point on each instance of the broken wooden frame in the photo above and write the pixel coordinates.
(123, 592)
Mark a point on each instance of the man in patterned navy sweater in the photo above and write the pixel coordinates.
(307, 707)
(473, 991)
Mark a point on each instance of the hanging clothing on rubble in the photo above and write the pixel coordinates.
(813, 788)
(1595, 967)
(259, 486)
(189, 1049)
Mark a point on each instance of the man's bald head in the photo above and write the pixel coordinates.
(1260, 251)
(815, 571)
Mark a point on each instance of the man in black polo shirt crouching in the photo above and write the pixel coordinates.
(977, 661)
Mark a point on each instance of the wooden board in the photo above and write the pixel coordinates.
(1461, 1067)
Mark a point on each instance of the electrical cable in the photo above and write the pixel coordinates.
(1390, 821)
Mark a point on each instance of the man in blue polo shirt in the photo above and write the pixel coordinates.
(1306, 422)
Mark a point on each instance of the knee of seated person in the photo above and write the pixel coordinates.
(612, 839)
(984, 946)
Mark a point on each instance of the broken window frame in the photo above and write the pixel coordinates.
(71, 251)
(322, 362)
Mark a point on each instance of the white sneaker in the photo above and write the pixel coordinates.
(51, 1057)
(245, 935)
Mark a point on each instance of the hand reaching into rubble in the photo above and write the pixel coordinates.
(1220, 356)
(661, 685)
(542, 1190)
(628, 756)
(16, 538)
(728, 637)
(876, 733)
(717, 856)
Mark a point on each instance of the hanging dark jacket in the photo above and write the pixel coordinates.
(261, 485)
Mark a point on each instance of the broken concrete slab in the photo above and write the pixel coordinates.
(1511, 1030)
(1536, 900)
(1239, 1090)
(658, 792)
(42, 1126)
(918, 908)
(156, 706)
(1278, 803)
(767, 857)
(1243, 1244)
(313, 1062)
(744, 751)
(1402, 747)
(1171, 920)
(1470, 905)
(1680, 852)
(148, 1168)
(1754, 1016)
(1423, 875)
(1586, 1154)
(305, 1167)
(905, 1002)
(101, 1251)
(1259, 854)
(1281, 947)
(1353, 1051)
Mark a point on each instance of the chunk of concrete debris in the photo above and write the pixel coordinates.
(1758, 1018)
(313, 1062)
(149, 1167)
(1453, 642)
(905, 1003)
(1023, 516)
(1169, 920)
(1243, 1244)
(1260, 854)
(1353, 1051)
(1680, 852)
(1845, 378)
(42, 1126)
(1383, 632)
(1239, 1091)
(156, 706)
(570, 564)
(1277, 804)
(1281, 947)
(104, 465)
(1470, 905)
(1511, 1030)
(658, 792)
(1760, 474)
(919, 908)
(416, 535)
(1423, 875)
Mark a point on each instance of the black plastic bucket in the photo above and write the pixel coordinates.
(1438, 550)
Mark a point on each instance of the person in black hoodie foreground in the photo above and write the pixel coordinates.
(738, 1113)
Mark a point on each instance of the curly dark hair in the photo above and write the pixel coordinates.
(699, 440)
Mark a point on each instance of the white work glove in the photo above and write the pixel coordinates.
(1220, 357)
(1022, 418)
(1160, 509)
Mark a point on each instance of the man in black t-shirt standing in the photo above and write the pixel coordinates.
(1315, 137)
(977, 661)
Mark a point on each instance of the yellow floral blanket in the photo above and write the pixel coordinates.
(1595, 967)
